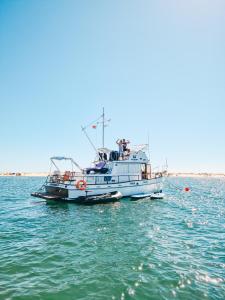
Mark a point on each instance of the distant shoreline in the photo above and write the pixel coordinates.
(25, 174)
(212, 175)
(170, 174)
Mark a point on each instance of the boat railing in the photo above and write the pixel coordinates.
(93, 179)
(96, 179)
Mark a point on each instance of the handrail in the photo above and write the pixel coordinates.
(98, 179)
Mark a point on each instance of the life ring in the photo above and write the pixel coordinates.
(81, 185)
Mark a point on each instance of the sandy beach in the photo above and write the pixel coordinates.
(211, 175)
(170, 174)
(25, 174)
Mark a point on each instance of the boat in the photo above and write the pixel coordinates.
(156, 195)
(102, 198)
(140, 196)
(159, 195)
(126, 171)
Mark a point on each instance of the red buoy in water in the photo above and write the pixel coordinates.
(187, 189)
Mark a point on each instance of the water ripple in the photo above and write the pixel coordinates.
(161, 249)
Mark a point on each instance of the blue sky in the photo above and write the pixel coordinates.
(156, 66)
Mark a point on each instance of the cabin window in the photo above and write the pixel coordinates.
(91, 179)
(144, 171)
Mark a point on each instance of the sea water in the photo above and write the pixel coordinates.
(148, 249)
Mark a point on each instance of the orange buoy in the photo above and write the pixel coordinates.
(187, 189)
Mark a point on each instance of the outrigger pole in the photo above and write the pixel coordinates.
(103, 122)
(90, 141)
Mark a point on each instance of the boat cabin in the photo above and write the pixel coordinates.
(110, 166)
(133, 164)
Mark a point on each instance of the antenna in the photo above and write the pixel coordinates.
(103, 128)
(148, 147)
(166, 166)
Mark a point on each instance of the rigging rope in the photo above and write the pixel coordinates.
(89, 124)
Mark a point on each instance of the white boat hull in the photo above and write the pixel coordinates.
(126, 189)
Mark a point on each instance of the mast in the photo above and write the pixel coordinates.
(103, 128)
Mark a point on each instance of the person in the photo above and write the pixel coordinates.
(100, 155)
(127, 154)
(120, 144)
(124, 143)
